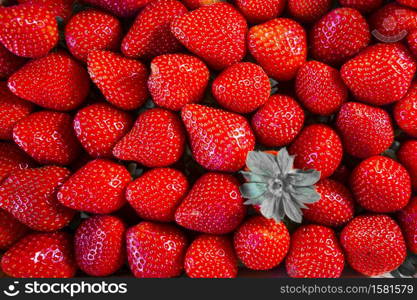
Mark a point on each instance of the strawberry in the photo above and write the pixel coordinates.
(150, 34)
(339, 35)
(308, 11)
(121, 80)
(219, 140)
(28, 30)
(335, 207)
(408, 157)
(155, 250)
(156, 140)
(366, 131)
(91, 30)
(213, 205)
(314, 253)
(99, 127)
(11, 230)
(407, 219)
(342, 174)
(211, 256)
(99, 245)
(278, 122)
(177, 79)
(242, 88)
(55, 81)
(373, 244)
(156, 194)
(261, 244)
(120, 8)
(216, 33)
(9, 63)
(194, 4)
(364, 6)
(405, 111)
(259, 11)
(47, 136)
(279, 46)
(30, 195)
(59, 8)
(380, 184)
(381, 74)
(98, 187)
(40, 255)
(317, 147)
(412, 42)
(320, 88)
(12, 158)
(410, 3)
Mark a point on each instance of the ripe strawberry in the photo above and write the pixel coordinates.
(216, 33)
(99, 127)
(11, 230)
(342, 174)
(150, 34)
(381, 74)
(156, 194)
(214, 205)
(9, 63)
(55, 81)
(59, 8)
(317, 147)
(373, 244)
(211, 256)
(99, 245)
(155, 250)
(120, 8)
(40, 255)
(242, 88)
(219, 140)
(308, 11)
(156, 140)
(194, 4)
(314, 253)
(98, 187)
(28, 30)
(335, 207)
(412, 42)
(339, 35)
(407, 219)
(278, 122)
(408, 157)
(177, 79)
(405, 111)
(259, 11)
(320, 88)
(410, 3)
(261, 244)
(279, 46)
(121, 80)
(366, 131)
(30, 196)
(48, 137)
(12, 158)
(364, 6)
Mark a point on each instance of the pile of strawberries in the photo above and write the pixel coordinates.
(201, 137)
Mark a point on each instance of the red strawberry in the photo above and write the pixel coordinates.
(214, 205)
(242, 88)
(279, 46)
(59, 8)
(12, 158)
(342, 174)
(320, 88)
(28, 30)
(156, 194)
(411, 3)
(40, 255)
(408, 157)
(407, 218)
(120, 8)
(98, 187)
(177, 79)
(335, 207)
(412, 42)
(261, 244)
(150, 34)
(216, 33)
(155, 250)
(219, 140)
(99, 127)
(211, 256)
(364, 6)
(381, 74)
(194, 4)
(258, 11)
(308, 11)
(339, 35)
(30, 195)
(314, 253)
(156, 140)
(317, 147)
(405, 111)
(55, 81)
(99, 245)
(11, 230)
(122, 81)
(278, 122)
(373, 244)
(9, 63)
(48, 137)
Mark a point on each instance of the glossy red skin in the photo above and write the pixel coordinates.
(99, 245)
(410, 3)
(9, 63)
(364, 6)
(278, 122)
(12, 158)
(259, 11)
(155, 250)
(308, 11)
(315, 252)
(407, 219)
(373, 244)
(194, 4)
(59, 8)
(40, 255)
(11, 230)
(408, 157)
(120, 8)
(412, 42)
(405, 111)
(211, 256)
(216, 33)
